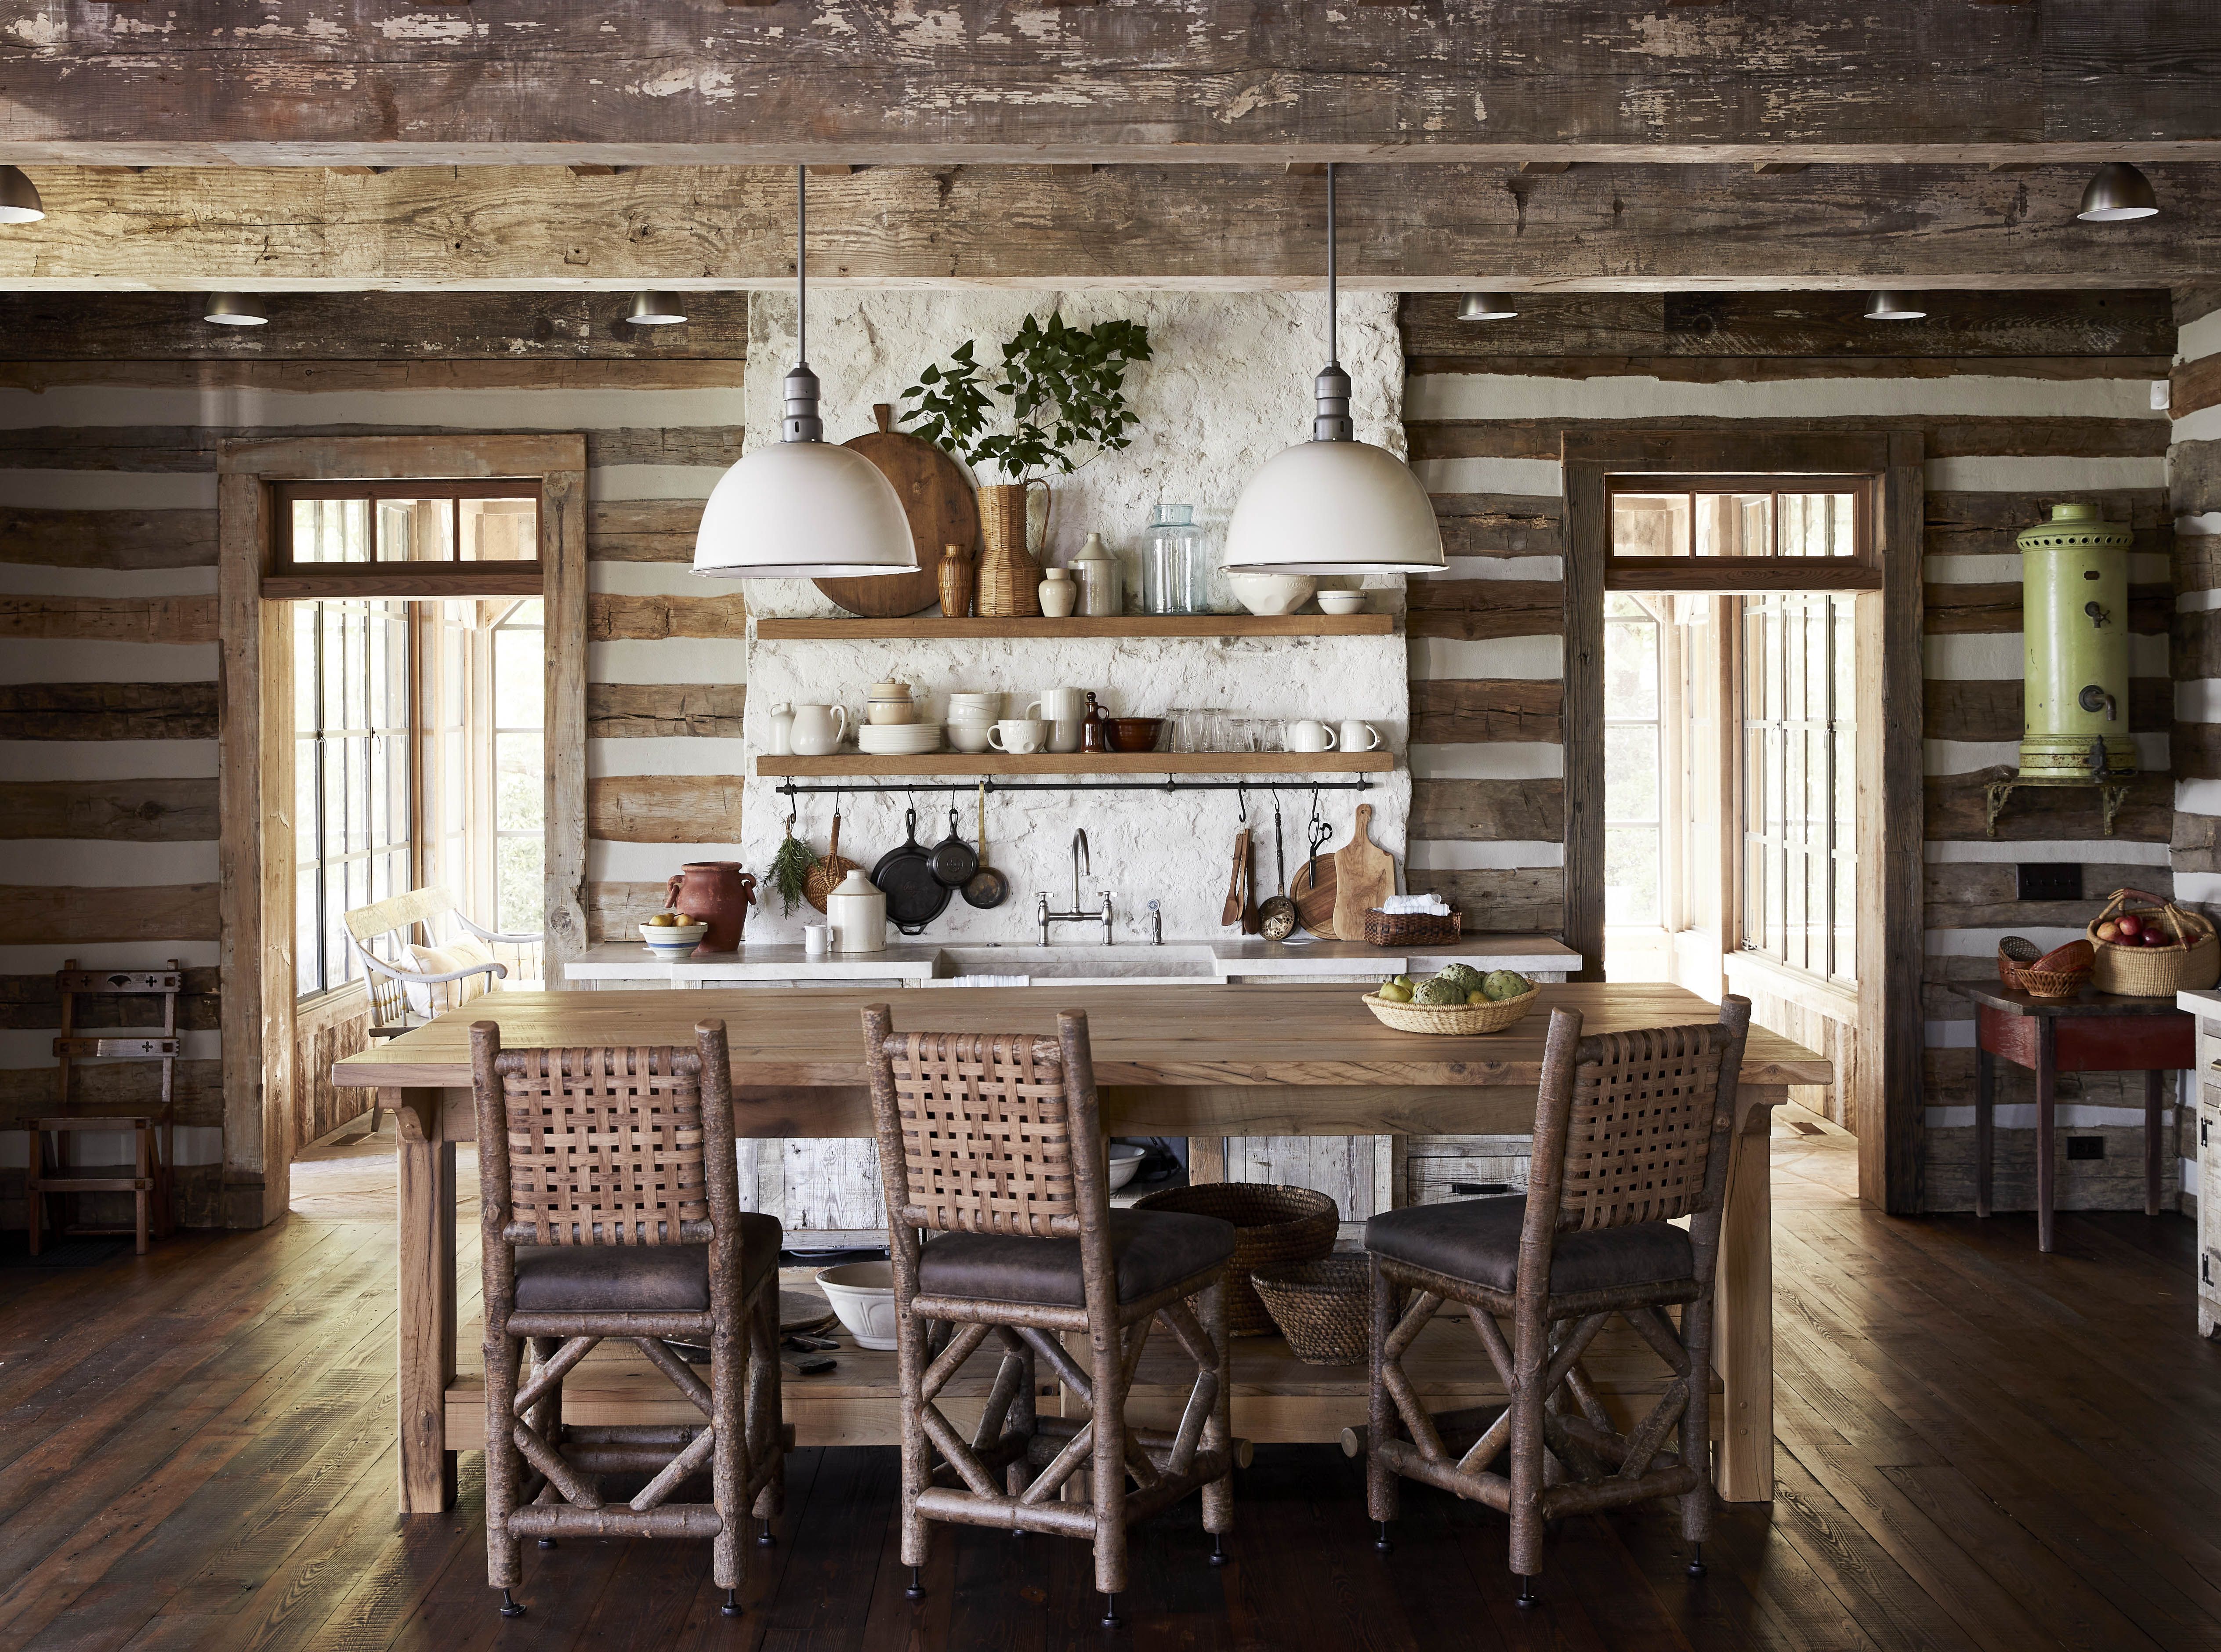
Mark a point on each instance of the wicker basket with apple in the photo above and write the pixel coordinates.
(2146, 946)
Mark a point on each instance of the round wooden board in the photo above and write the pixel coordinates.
(943, 510)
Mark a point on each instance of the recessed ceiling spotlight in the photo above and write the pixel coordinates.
(19, 197)
(234, 310)
(1488, 307)
(1893, 307)
(2116, 193)
(652, 309)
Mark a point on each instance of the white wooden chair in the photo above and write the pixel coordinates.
(386, 936)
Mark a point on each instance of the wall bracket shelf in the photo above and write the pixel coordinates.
(1262, 783)
(2111, 794)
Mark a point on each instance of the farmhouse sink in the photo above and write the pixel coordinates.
(1080, 966)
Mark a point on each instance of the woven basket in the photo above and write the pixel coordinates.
(1008, 579)
(825, 874)
(1323, 1308)
(1275, 1227)
(2141, 972)
(2015, 954)
(2059, 974)
(1411, 929)
(1453, 1020)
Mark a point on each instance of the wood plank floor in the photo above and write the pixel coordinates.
(1980, 1448)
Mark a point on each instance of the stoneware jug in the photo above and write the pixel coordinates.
(819, 730)
(859, 914)
(781, 732)
(719, 894)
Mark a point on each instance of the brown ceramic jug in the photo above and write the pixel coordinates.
(719, 894)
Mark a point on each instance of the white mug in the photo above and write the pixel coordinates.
(1065, 734)
(1357, 736)
(969, 735)
(1310, 737)
(1020, 735)
(819, 730)
(1058, 704)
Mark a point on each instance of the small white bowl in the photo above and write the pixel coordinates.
(1125, 1159)
(1269, 594)
(1341, 602)
(863, 1295)
(672, 941)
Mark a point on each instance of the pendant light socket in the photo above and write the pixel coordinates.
(234, 310)
(654, 309)
(1888, 306)
(1488, 307)
(19, 197)
(2117, 193)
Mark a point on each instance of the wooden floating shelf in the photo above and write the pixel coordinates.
(929, 627)
(860, 765)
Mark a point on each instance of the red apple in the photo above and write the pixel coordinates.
(2130, 925)
(2109, 930)
(2154, 938)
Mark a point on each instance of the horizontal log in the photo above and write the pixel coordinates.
(2194, 301)
(1982, 894)
(137, 811)
(664, 809)
(186, 447)
(1462, 710)
(611, 618)
(1530, 811)
(1942, 438)
(587, 87)
(2193, 751)
(1832, 326)
(1965, 609)
(33, 1002)
(108, 711)
(324, 329)
(1983, 524)
(1501, 524)
(620, 711)
(1950, 1082)
(2195, 844)
(1955, 810)
(615, 911)
(59, 915)
(1476, 610)
(1793, 369)
(2193, 477)
(1405, 229)
(110, 619)
(328, 377)
(27, 1093)
(1530, 900)
(108, 539)
(2195, 385)
(2195, 651)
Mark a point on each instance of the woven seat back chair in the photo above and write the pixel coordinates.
(1631, 1132)
(993, 1143)
(610, 1209)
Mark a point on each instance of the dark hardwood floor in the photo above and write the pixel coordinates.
(1979, 1447)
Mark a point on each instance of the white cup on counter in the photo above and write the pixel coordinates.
(1018, 737)
(816, 940)
(1356, 736)
(1309, 736)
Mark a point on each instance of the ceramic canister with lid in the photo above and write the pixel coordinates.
(1102, 582)
(858, 912)
(890, 703)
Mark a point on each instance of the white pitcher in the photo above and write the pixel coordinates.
(819, 730)
(781, 732)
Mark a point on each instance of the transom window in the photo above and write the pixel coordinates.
(335, 526)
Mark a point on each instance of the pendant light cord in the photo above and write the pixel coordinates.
(1333, 335)
(1330, 421)
(801, 265)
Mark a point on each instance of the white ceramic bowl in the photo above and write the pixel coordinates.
(863, 1295)
(1125, 1159)
(1266, 594)
(966, 704)
(1341, 602)
(672, 941)
(969, 737)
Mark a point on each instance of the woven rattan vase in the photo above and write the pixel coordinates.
(1010, 579)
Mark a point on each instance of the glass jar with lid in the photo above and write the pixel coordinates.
(1175, 563)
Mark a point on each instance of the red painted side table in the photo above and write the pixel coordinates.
(2092, 1032)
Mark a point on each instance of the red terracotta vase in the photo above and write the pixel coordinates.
(719, 894)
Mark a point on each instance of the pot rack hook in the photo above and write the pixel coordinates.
(1241, 802)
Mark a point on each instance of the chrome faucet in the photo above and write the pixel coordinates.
(1156, 924)
(1081, 862)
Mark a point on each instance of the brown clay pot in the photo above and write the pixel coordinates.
(719, 894)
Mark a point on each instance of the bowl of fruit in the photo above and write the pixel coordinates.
(2145, 946)
(672, 936)
(1459, 1002)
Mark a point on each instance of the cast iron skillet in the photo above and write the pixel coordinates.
(954, 859)
(905, 876)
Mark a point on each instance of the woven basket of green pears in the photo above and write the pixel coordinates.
(1459, 1003)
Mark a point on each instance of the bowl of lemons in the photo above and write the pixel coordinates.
(1459, 1002)
(672, 936)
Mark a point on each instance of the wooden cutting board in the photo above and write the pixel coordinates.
(1313, 889)
(943, 510)
(1364, 877)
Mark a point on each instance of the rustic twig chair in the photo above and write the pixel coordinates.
(995, 1143)
(611, 1208)
(1631, 1130)
(384, 934)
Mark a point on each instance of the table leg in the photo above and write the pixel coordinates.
(2151, 1141)
(2047, 1087)
(1742, 1318)
(425, 1228)
(1985, 1097)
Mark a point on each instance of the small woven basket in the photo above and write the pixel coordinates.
(1323, 1308)
(2193, 963)
(2059, 974)
(2015, 954)
(1273, 1227)
(1411, 929)
(1454, 1020)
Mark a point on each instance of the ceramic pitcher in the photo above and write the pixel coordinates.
(819, 730)
(719, 894)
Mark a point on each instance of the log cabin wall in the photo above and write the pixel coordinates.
(110, 414)
(2022, 399)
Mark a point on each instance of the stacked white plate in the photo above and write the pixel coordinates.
(898, 739)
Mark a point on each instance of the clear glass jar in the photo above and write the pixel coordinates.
(1175, 563)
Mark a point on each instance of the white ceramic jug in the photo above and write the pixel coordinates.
(781, 733)
(859, 914)
(819, 730)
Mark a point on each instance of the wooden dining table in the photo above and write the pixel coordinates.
(1198, 1061)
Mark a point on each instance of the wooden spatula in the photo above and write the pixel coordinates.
(1364, 877)
(1237, 886)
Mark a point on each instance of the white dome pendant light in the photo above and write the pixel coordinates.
(803, 508)
(1333, 504)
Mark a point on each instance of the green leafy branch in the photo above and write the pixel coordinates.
(1062, 396)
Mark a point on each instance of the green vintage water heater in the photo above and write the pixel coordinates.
(2075, 618)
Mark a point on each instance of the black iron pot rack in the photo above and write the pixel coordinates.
(789, 789)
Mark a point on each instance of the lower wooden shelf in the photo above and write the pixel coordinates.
(1277, 1397)
(1106, 764)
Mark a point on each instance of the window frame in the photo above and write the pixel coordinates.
(287, 580)
(1860, 571)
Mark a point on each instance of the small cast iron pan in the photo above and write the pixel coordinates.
(905, 876)
(954, 861)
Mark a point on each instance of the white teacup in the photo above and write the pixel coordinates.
(1060, 704)
(972, 735)
(1018, 735)
(1310, 737)
(1356, 736)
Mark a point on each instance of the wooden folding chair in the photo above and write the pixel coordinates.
(55, 1172)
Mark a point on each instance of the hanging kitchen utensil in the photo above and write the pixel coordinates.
(1237, 894)
(826, 875)
(1276, 914)
(1250, 846)
(941, 509)
(1364, 877)
(988, 887)
(954, 861)
(1313, 892)
(905, 876)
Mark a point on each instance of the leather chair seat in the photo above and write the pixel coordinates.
(1478, 1239)
(636, 1279)
(1151, 1249)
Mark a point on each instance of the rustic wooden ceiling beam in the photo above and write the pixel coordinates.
(706, 82)
(1404, 228)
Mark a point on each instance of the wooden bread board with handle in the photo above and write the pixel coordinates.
(1364, 877)
(942, 508)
